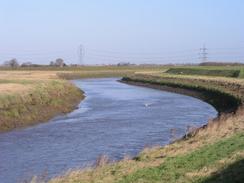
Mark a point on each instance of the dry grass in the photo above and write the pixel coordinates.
(29, 75)
(13, 88)
(23, 82)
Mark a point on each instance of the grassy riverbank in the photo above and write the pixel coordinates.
(212, 153)
(225, 94)
(27, 102)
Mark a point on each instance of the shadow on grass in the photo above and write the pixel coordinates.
(232, 174)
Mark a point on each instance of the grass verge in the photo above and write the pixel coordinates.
(188, 168)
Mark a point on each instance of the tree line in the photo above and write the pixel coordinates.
(13, 63)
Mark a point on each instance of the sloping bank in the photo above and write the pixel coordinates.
(213, 153)
(36, 101)
(225, 94)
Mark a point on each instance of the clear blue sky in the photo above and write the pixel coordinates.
(139, 31)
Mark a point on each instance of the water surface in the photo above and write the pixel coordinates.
(114, 119)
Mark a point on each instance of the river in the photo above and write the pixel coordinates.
(115, 119)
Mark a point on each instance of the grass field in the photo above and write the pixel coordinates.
(206, 72)
(224, 71)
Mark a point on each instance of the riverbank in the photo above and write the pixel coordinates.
(212, 153)
(225, 95)
(28, 102)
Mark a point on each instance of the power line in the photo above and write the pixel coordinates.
(97, 55)
(110, 52)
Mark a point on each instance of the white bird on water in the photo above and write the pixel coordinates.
(148, 104)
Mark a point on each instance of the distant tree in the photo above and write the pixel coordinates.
(26, 64)
(123, 64)
(59, 62)
(52, 63)
(11, 63)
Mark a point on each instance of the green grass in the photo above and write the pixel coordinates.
(205, 71)
(174, 169)
(233, 173)
(241, 75)
(223, 71)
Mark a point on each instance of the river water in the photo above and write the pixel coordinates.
(115, 119)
